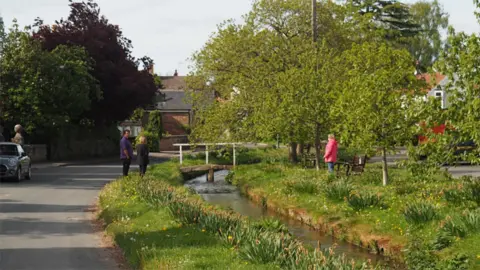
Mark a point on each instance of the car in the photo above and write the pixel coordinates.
(14, 162)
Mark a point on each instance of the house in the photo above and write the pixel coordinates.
(436, 87)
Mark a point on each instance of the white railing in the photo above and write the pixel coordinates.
(181, 145)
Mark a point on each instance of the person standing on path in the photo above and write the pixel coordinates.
(126, 152)
(142, 155)
(18, 139)
(331, 153)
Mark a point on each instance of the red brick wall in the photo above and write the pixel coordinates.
(166, 143)
(172, 122)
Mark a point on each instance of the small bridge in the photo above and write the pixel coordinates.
(210, 168)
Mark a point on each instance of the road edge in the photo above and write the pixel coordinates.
(105, 241)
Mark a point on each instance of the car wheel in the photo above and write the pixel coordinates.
(28, 176)
(18, 176)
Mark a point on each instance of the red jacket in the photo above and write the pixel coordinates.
(331, 151)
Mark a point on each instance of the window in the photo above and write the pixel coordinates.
(439, 94)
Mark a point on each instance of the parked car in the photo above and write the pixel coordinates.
(14, 162)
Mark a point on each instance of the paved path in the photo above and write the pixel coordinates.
(44, 224)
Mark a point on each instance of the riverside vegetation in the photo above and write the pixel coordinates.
(427, 223)
(159, 223)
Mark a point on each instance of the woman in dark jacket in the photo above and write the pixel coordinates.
(142, 155)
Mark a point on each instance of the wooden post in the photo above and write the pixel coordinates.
(181, 155)
(211, 175)
(234, 157)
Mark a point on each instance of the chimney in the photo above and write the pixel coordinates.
(150, 69)
(175, 74)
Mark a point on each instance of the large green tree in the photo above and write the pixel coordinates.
(428, 43)
(44, 91)
(377, 92)
(266, 72)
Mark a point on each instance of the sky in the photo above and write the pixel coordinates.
(170, 31)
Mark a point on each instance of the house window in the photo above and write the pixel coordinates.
(439, 94)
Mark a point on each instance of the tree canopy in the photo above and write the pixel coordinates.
(44, 90)
(124, 87)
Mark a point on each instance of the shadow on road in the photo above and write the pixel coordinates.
(8, 207)
(78, 258)
(36, 229)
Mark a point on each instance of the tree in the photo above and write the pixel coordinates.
(392, 17)
(2, 34)
(377, 91)
(44, 90)
(155, 124)
(427, 44)
(264, 73)
(124, 87)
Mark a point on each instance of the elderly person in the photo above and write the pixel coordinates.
(331, 153)
(18, 139)
(142, 155)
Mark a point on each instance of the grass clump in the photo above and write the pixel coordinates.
(419, 212)
(362, 200)
(338, 190)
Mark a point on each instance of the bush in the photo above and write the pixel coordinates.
(362, 200)
(419, 212)
(155, 125)
(338, 190)
(152, 140)
(473, 188)
(455, 196)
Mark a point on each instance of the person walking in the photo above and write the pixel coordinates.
(126, 152)
(142, 155)
(331, 153)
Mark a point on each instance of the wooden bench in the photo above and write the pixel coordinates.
(356, 166)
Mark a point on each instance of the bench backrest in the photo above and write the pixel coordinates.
(358, 163)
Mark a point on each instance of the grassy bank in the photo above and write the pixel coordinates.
(159, 224)
(430, 222)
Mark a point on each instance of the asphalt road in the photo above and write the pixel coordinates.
(44, 224)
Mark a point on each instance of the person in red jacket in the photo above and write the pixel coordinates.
(331, 153)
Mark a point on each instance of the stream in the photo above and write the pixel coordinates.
(223, 194)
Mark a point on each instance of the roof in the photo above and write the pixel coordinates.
(431, 81)
(175, 100)
(173, 82)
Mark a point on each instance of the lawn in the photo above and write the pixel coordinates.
(436, 215)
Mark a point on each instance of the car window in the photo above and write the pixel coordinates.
(8, 150)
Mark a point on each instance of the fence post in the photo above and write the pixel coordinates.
(181, 155)
(206, 154)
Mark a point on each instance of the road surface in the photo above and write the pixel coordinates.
(44, 224)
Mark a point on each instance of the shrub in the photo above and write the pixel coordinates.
(152, 140)
(362, 200)
(338, 190)
(473, 188)
(419, 212)
(155, 125)
(270, 224)
(455, 195)
(230, 176)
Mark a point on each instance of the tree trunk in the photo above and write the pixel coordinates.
(385, 167)
(317, 147)
(292, 155)
(300, 147)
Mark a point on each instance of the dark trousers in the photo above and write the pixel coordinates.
(331, 166)
(126, 166)
(143, 169)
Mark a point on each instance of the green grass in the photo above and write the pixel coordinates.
(386, 218)
(152, 239)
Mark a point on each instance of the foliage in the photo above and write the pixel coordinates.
(49, 89)
(420, 212)
(153, 142)
(426, 46)
(302, 186)
(362, 200)
(379, 100)
(253, 243)
(338, 190)
(124, 87)
(155, 124)
(391, 17)
(138, 115)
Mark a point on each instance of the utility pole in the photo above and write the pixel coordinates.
(315, 38)
(314, 20)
